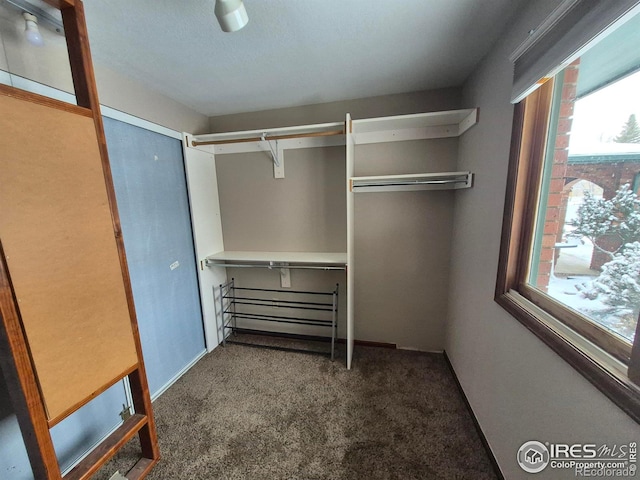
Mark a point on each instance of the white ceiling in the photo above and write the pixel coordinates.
(293, 52)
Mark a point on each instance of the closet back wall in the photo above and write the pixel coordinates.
(303, 212)
(402, 239)
(403, 247)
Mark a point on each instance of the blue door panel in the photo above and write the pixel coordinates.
(151, 191)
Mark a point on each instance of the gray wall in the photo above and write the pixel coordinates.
(403, 239)
(49, 65)
(519, 389)
(399, 104)
(305, 211)
(402, 247)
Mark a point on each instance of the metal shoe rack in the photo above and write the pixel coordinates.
(249, 303)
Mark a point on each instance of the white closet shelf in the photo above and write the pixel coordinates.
(317, 130)
(422, 181)
(314, 260)
(420, 126)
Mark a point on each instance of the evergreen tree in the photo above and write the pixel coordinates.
(630, 132)
(619, 282)
(618, 216)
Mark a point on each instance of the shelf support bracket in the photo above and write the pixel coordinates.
(285, 277)
(277, 155)
(278, 169)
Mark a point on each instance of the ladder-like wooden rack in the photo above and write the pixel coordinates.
(69, 332)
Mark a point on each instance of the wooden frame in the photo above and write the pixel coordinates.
(15, 356)
(74, 312)
(529, 137)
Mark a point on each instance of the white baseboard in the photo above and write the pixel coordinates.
(175, 378)
(414, 349)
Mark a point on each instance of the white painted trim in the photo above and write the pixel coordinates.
(610, 363)
(139, 122)
(177, 376)
(5, 78)
(415, 349)
(41, 89)
(202, 187)
(47, 91)
(468, 122)
(350, 154)
(540, 31)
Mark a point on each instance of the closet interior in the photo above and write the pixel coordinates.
(355, 204)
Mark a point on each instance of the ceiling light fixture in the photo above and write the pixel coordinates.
(46, 15)
(231, 14)
(31, 31)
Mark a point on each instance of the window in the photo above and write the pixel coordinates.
(570, 255)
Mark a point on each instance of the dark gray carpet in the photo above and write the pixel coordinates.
(249, 413)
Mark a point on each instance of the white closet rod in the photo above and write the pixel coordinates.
(440, 181)
(392, 183)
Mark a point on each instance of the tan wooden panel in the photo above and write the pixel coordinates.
(57, 234)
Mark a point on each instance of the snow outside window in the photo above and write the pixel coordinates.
(586, 251)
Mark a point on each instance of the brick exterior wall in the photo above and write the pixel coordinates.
(558, 195)
(608, 175)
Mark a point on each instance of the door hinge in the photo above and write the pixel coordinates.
(125, 413)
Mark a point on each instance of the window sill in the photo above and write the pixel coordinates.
(607, 373)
